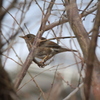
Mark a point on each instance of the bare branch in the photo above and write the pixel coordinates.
(2, 14)
(84, 41)
(91, 54)
(35, 44)
(64, 20)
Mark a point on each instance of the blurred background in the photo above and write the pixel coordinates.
(66, 71)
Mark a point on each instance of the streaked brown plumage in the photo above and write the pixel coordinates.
(46, 48)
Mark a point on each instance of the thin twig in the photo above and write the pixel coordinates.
(73, 92)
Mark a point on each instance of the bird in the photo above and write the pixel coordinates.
(46, 48)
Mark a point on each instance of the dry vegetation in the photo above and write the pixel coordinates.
(69, 23)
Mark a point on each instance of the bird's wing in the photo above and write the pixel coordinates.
(50, 44)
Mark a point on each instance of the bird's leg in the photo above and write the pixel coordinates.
(38, 63)
(44, 59)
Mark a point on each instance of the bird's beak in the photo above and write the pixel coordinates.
(21, 36)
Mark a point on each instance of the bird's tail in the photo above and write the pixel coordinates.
(64, 50)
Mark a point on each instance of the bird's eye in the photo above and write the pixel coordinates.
(28, 36)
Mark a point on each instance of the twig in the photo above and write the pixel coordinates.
(91, 54)
(52, 83)
(35, 44)
(35, 77)
(12, 59)
(73, 92)
(14, 19)
(87, 6)
(38, 86)
(64, 20)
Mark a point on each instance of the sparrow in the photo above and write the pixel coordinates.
(46, 48)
